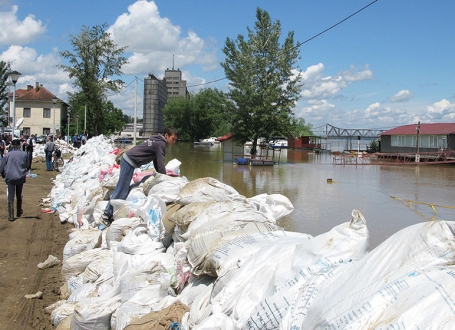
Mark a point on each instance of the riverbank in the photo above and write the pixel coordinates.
(27, 242)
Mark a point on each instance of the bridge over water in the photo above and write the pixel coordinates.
(338, 139)
(330, 131)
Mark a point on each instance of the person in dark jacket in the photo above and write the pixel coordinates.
(151, 150)
(13, 169)
(48, 150)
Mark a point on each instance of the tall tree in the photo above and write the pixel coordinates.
(264, 80)
(95, 64)
(201, 115)
(300, 128)
(4, 91)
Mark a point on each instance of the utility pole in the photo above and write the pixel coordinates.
(135, 114)
(417, 142)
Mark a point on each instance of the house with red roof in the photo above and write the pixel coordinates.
(419, 137)
(36, 106)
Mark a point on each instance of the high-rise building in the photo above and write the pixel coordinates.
(156, 94)
(175, 85)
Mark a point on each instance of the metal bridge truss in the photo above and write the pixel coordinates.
(330, 131)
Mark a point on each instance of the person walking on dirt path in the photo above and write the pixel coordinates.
(30, 144)
(48, 150)
(13, 169)
(151, 150)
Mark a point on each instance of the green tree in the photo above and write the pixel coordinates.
(201, 115)
(264, 80)
(4, 91)
(114, 119)
(95, 64)
(300, 128)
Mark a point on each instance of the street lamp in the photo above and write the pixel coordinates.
(54, 100)
(14, 75)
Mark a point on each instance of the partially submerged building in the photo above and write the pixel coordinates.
(419, 138)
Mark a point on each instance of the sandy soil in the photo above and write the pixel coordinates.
(25, 243)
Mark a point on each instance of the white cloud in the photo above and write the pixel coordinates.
(317, 86)
(402, 96)
(353, 74)
(315, 111)
(443, 111)
(16, 32)
(156, 43)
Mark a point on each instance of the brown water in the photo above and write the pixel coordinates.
(389, 197)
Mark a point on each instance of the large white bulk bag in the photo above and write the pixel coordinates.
(387, 277)
(279, 264)
(207, 190)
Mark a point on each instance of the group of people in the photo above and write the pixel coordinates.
(14, 166)
(79, 139)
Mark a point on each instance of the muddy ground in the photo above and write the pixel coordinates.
(25, 243)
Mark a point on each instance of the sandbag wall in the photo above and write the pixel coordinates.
(198, 255)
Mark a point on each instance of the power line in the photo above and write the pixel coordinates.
(298, 45)
(304, 42)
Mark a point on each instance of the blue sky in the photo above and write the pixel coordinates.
(391, 64)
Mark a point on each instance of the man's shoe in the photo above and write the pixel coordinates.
(106, 220)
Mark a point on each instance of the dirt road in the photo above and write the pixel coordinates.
(25, 243)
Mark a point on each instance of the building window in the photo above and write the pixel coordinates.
(27, 113)
(26, 130)
(433, 141)
(46, 131)
(46, 113)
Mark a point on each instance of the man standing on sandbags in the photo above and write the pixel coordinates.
(151, 150)
(13, 169)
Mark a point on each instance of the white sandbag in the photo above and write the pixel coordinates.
(174, 166)
(235, 252)
(98, 267)
(168, 190)
(201, 308)
(378, 280)
(131, 283)
(120, 228)
(61, 311)
(81, 240)
(204, 241)
(76, 264)
(197, 214)
(124, 262)
(131, 311)
(151, 212)
(139, 241)
(128, 207)
(277, 265)
(207, 190)
(84, 291)
(429, 293)
(94, 313)
(216, 321)
(276, 206)
(196, 286)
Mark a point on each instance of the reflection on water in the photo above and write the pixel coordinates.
(390, 197)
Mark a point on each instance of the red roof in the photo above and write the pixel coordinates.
(425, 129)
(37, 93)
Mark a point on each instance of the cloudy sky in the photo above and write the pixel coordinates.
(389, 64)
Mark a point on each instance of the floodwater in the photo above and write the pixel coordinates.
(390, 197)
